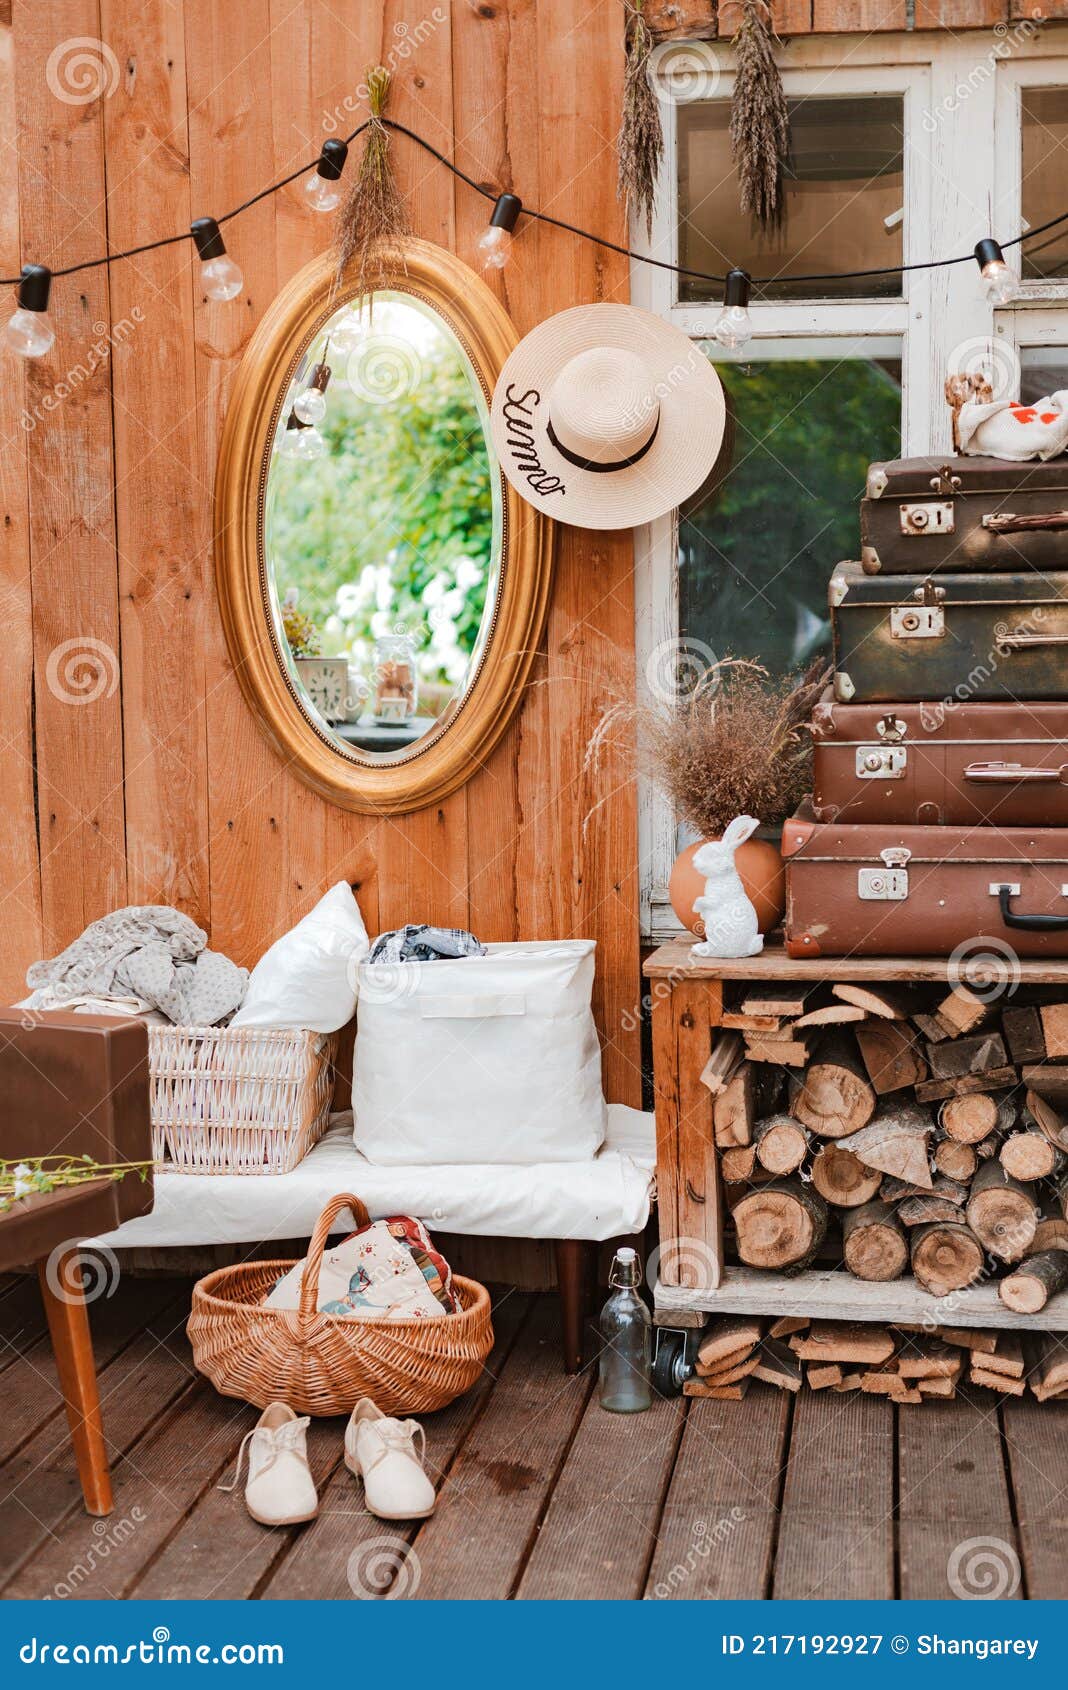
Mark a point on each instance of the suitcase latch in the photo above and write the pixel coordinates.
(945, 482)
(881, 762)
(933, 516)
(891, 729)
(889, 884)
(923, 618)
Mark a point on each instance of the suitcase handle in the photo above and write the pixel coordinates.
(1007, 643)
(1007, 522)
(1012, 774)
(1029, 923)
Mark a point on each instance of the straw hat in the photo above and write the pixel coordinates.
(606, 417)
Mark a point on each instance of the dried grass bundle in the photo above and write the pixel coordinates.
(760, 122)
(373, 218)
(737, 743)
(641, 138)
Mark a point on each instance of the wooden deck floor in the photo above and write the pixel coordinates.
(541, 1494)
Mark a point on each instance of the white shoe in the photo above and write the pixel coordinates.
(382, 1452)
(279, 1490)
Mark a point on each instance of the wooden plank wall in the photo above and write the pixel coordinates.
(131, 768)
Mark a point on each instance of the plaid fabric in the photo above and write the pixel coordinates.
(420, 943)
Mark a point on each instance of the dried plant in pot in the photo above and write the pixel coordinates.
(735, 743)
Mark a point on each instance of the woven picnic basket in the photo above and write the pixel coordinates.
(322, 1364)
(238, 1100)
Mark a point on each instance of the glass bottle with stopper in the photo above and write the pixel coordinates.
(626, 1338)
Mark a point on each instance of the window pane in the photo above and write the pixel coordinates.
(1044, 157)
(757, 550)
(1043, 370)
(845, 176)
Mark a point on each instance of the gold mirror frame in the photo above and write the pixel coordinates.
(440, 763)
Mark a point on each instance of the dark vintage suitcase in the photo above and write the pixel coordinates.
(879, 889)
(968, 514)
(955, 637)
(965, 764)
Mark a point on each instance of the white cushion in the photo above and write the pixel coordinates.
(489, 1058)
(606, 1197)
(308, 977)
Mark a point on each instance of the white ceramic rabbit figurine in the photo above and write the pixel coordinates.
(727, 914)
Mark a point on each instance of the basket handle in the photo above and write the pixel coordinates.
(313, 1261)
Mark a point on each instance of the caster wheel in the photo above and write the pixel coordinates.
(671, 1369)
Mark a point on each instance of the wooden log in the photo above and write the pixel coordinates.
(1051, 1233)
(1022, 1027)
(966, 1338)
(950, 1190)
(777, 1365)
(1030, 1286)
(890, 1002)
(842, 1178)
(931, 1359)
(844, 1340)
(891, 1053)
(874, 1243)
(931, 1091)
(835, 1096)
(963, 1010)
(729, 1375)
(931, 1027)
(726, 1336)
(970, 1118)
(780, 1225)
(1049, 1365)
(896, 1143)
(781, 1144)
(945, 1257)
(1007, 1356)
(734, 1020)
(850, 1381)
(719, 1393)
(1055, 1029)
(830, 1015)
(1002, 1212)
(736, 1165)
(1047, 1118)
(955, 1160)
(1029, 1154)
(1049, 1080)
(997, 1382)
(988, 1147)
(823, 1374)
(792, 1053)
(937, 1387)
(923, 1210)
(977, 1053)
(733, 1111)
(786, 1001)
(880, 1382)
(786, 1325)
(723, 1364)
(727, 1053)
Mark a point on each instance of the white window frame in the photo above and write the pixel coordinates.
(962, 181)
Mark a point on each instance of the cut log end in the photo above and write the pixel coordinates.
(780, 1226)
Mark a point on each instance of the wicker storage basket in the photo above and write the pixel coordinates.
(242, 1100)
(323, 1364)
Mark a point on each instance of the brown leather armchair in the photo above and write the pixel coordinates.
(73, 1085)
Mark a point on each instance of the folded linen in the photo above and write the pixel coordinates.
(417, 942)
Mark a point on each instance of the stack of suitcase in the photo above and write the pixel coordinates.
(940, 792)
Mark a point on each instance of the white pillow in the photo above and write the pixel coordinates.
(308, 977)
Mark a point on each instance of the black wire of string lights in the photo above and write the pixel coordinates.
(28, 331)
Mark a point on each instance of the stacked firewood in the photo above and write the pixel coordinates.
(897, 1129)
(906, 1363)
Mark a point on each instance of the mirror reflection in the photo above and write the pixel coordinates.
(382, 526)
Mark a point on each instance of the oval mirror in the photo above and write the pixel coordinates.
(382, 585)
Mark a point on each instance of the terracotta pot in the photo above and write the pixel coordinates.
(763, 874)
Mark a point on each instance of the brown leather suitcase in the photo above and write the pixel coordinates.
(970, 514)
(874, 889)
(1001, 763)
(956, 637)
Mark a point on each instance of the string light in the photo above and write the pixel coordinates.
(322, 187)
(494, 246)
(309, 407)
(28, 332)
(999, 282)
(220, 275)
(223, 280)
(734, 327)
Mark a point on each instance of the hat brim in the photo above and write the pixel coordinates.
(688, 439)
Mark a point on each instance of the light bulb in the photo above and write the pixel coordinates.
(347, 335)
(998, 281)
(29, 332)
(288, 445)
(310, 445)
(322, 193)
(310, 406)
(494, 245)
(219, 275)
(734, 329)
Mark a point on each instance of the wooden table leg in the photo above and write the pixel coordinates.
(68, 1325)
(572, 1278)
